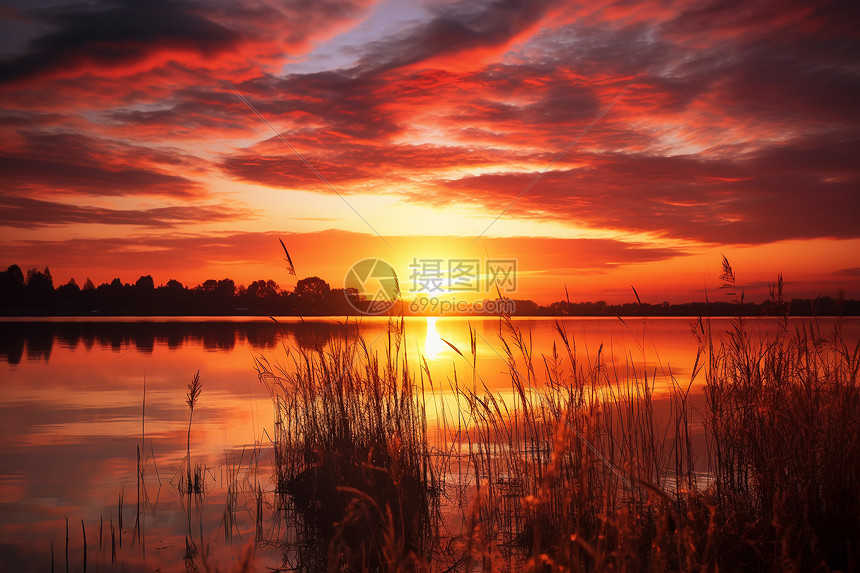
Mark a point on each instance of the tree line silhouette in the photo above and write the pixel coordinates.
(34, 294)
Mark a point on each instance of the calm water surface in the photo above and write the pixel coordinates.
(81, 398)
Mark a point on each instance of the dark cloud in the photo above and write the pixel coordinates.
(366, 102)
(344, 164)
(109, 38)
(455, 30)
(336, 102)
(782, 21)
(191, 114)
(511, 97)
(116, 35)
(799, 85)
(25, 212)
(784, 65)
(802, 190)
(67, 162)
(18, 120)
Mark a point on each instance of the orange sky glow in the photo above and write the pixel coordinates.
(435, 130)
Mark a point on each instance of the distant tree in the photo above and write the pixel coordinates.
(35, 277)
(88, 296)
(69, 294)
(11, 287)
(15, 275)
(145, 283)
(313, 289)
(174, 298)
(263, 289)
(141, 297)
(226, 288)
(40, 284)
(109, 297)
(525, 307)
(215, 296)
(342, 301)
(352, 294)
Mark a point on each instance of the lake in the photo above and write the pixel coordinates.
(83, 400)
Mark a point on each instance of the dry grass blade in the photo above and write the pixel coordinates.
(454, 348)
(290, 267)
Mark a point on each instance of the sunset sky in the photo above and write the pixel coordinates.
(126, 152)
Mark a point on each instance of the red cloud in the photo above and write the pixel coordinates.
(68, 163)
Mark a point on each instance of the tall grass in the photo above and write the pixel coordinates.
(193, 478)
(578, 472)
(352, 459)
(784, 422)
(590, 466)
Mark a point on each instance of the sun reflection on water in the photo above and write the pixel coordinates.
(433, 344)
